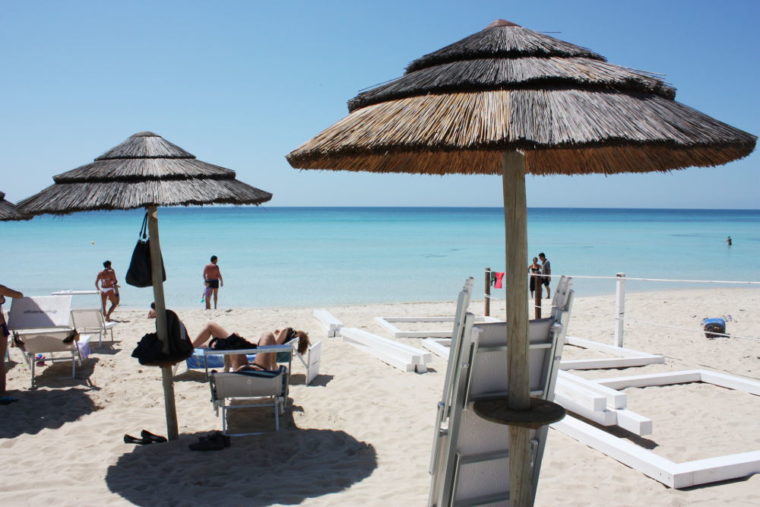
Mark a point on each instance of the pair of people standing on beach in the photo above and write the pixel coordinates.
(540, 274)
(212, 279)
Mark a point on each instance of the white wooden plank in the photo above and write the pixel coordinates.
(399, 361)
(579, 394)
(633, 422)
(372, 340)
(717, 469)
(611, 362)
(630, 454)
(385, 324)
(615, 398)
(731, 381)
(436, 346)
(604, 347)
(652, 379)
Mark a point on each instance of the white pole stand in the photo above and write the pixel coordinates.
(619, 308)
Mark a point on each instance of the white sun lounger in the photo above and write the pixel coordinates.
(43, 324)
(91, 321)
(470, 454)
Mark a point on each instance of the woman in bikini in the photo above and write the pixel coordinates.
(535, 270)
(108, 286)
(262, 361)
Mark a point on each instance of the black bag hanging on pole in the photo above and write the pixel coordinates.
(139, 273)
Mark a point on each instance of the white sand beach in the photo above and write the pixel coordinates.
(362, 433)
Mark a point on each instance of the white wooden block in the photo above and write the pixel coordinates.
(603, 417)
(418, 356)
(328, 321)
(633, 422)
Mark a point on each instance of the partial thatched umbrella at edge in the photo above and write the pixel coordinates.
(511, 101)
(145, 171)
(8, 210)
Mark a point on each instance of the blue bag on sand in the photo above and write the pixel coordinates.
(714, 328)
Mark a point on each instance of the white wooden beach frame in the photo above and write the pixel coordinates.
(624, 358)
(674, 475)
(388, 324)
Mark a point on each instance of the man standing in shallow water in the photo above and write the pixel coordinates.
(212, 277)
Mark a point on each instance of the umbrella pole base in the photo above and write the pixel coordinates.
(540, 413)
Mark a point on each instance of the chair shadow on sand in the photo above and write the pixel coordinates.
(286, 467)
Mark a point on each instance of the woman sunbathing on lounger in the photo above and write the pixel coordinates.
(262, 361)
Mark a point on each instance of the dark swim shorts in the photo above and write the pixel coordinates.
(213, 284)
(5, 333)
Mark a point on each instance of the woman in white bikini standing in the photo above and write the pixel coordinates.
(108, 286)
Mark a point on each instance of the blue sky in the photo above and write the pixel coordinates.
(242, 83)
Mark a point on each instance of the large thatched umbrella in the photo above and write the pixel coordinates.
(511, 101)
(145, 171)
(8, 210)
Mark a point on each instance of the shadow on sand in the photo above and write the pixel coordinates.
(39, 409)
(287, 467)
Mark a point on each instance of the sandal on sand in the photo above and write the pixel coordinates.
(147, 435)
(129, 439)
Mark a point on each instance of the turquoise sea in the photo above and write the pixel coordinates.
(275, 256)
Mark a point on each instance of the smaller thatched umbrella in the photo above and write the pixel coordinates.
(8, 210)
(145, 171)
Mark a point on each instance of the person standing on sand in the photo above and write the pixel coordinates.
(4, 334)
(546, 271)
(535, 270)
(108, 286)
(212, 277)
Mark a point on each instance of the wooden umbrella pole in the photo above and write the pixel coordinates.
(518, 393)
(156, 267)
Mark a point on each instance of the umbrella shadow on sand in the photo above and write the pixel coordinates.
(285, 467)
(43, 409)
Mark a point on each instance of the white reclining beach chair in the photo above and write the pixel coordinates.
(470, 462)
(91, 321)
(43, 325)
(249, 389)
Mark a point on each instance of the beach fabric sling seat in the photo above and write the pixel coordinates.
(90, 321)
(470, 459)
(249, 389)
(42, 325)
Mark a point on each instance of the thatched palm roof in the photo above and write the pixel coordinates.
(144, 170)
(458, 109)
(8, 211)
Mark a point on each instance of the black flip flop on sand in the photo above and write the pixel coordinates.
(147, 435)
(129, 439)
